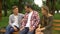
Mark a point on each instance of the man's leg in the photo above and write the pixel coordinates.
(31, 32)
(24, 31)
(8, 30)
(12, 30)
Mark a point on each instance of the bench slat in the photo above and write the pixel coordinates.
(56, 28)
(56, 20)
(15, 32)
(56, 24)
(3, 30)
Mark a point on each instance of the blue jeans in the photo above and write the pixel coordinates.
(26, 31)
(9, 30)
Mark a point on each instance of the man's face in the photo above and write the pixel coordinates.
(15, 11)
(26, 9)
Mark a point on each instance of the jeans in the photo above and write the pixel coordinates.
(26, 31)
(9, 30)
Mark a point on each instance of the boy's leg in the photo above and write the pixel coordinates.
(8, 30)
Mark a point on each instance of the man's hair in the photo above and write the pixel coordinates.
(29, 6)
(14, 7)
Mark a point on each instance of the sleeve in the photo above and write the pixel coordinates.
(23, 20)
(10, 20)
(50, 21)
(37, 20)
(22, 15)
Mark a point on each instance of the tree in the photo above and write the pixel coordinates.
(36, 7)
(51, 5)
(23, 2)
(0, 9)
(20, 5)
(5, 7)
(57, 5)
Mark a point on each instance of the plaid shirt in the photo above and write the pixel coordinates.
(34, 20)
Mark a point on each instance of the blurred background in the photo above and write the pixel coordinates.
(6, 10)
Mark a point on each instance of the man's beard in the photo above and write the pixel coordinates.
(28, 11)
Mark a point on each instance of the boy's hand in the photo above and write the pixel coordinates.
(15, 29)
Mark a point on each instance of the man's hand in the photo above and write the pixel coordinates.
(22, 28)
(15, 29)
(31, 28)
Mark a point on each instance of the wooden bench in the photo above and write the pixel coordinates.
(15, 32)
(56, 24)
(3, 31)
(56, 20)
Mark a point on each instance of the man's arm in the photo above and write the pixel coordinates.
(37, 20)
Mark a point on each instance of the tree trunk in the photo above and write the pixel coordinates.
(47, 3)
(0, 9)
(20, 6)
(5, 8)
(52, 6)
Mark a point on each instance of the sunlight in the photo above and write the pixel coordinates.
(38, 2)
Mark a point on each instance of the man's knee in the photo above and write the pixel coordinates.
(8, 27)
(12, 30)
(31, 32)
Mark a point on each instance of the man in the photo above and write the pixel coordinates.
(30, 21)
(14, 21)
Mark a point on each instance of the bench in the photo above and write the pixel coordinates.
(3, 31)
(57, 24)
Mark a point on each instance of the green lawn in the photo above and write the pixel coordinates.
(4, 22)
(56, 32)
(57, 16)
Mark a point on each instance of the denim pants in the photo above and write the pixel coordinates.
(26, 31)
(9, 30)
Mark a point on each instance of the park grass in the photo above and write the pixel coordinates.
(57, 16)
(4, 22)
(56, 32)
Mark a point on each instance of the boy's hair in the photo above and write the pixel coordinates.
(14, 7)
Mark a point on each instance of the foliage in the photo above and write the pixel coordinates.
(57, 5)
